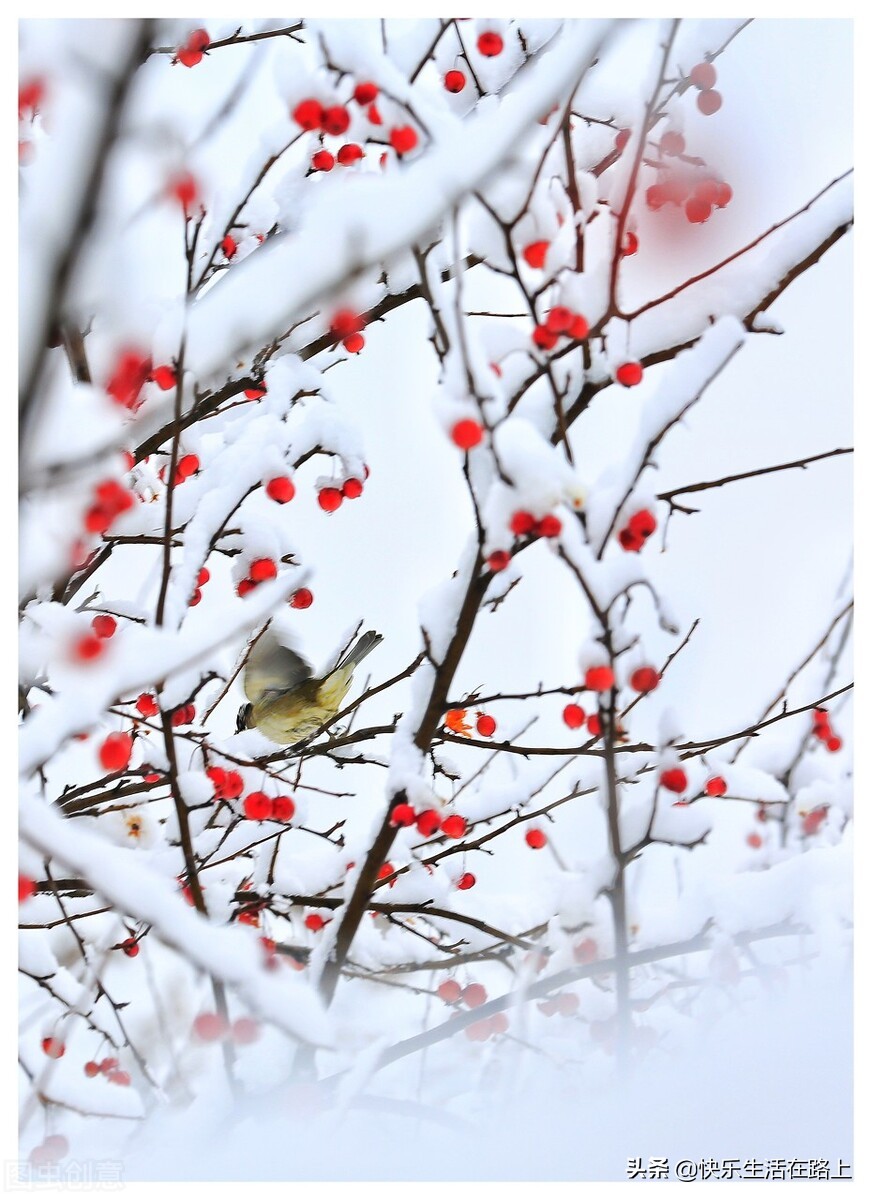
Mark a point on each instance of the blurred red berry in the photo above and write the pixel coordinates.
(283, 809)
(672, 143)
(674, 779)
(403, 138)
(228, 245)
(703, 76)
(455, 81)
(449, 990)
(262, 569)
(209, 1027)
(348, 154)
(499, 560)
(164, 377)
(402, 815)
(308, 114)
(599, 679)
(549, 526)
(534, 254)
(302, 598)
(716, 786)
(535, 839)
(573, 716)
(354, 343)
(467, 434)
(644, 679)
(474, 995)
(26, 887)
(629, 374)
(428, 822)
(114, 753)
(365, 93)
(522, 522)
(104, 626)
(490, 44)
(454, 826)
(709, 102)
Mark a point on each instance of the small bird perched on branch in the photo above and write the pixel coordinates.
(286, 702)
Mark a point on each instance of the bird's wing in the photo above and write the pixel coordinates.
(272, 667)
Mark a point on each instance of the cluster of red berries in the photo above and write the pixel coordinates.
(259, 570)
(704, 77)
(346, 156)
(193, 49)
(473, 995)
(183, 715)
(346, 327)
(822, 730)
(330, 498)
(258, 806)
(109, 1068)
(428, 821)
(203, 577)
(212, 1027)
(638, 529)
(228, 785)
(560, 322)
(564, 1004)
(698, 198)
(130, 374)
(525, 524)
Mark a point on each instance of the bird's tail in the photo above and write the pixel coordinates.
(243, 718)
(358, 652)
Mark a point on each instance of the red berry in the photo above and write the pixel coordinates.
(130, 947)
(352, 489)
(132, 369)
(522, 522)
(499, 560)
(329, 499)
(26, 887)
(754, 840)
(535, 839)
(467, 433)
(585, 952)
(704, 76)
(594, 725)
(656, 196)
(348, 154)
(642, 523)
(449, 990)
(119, 1078)
(559, 319)
(283, 808)
(365, 93)
(203, 577)
(183, 187)
(579, 329)
(454, 826)
(474, 995)
(281, 489)
(672, 143)
(345, 322)
(53, 1047)
(302, 598)
(308, 114)
(403, 138)
(534, 254)
(107, 1065)
(354, 343)
(630, 541)
(466, 881)
(631, 244)
(257, 806)
(315, 922)
(629, 374)
(164, 377)
(323, 160)
(403, 815)
(374, 117)
(245, 586)
(208, 1027)
(91, 1069)
(218, 776)
(228, 245)
(490, 44)
(716, 786)
(261, 569)
(428, 822)
(454, 81)
(104, 626)
(385, 871)
(697, 210)
(544, 338)
(812, 821)
(183, 715)
(255, 393)
(674, 779)
(114, 753)
(573, 716)
(724, 195)
(188, 57)
(599, 679)
(499, 1023)
(549, 526)
(486, 725)
(189, 465)
(478, 1031)
(244, 1031)
(644, 679)
(834, 744)
(30, 96)
(709, 102)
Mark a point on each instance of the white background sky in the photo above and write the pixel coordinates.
(798, 524)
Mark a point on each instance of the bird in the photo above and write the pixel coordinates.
(286, 702)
